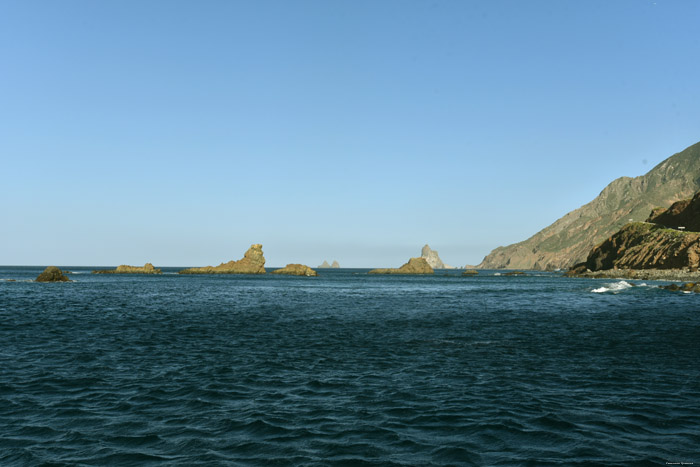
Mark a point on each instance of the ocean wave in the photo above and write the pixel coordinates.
(614, 287)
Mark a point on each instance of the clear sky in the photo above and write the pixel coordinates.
(181, 132)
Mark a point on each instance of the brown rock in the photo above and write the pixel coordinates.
(253, 262)
(125, 269)
(414, 266)
(296, 270)
(52, 274)
(470, 272)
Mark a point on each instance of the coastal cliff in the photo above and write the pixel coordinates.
(414, 266)
(569, 240)
(126, 269)
(641, 245)
(656, 244)
(253, 262)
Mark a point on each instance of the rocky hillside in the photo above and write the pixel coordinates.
(684, 214)
(642, 245)
(569, 240)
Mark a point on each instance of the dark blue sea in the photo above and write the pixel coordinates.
(346, 369)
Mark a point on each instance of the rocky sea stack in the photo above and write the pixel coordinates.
(253, 262)
(52, 274)
(126, 269)
(414, 266)
(296, 270)
(431, 256)
(325, 265)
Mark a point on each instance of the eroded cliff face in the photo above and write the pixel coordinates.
(641, 245)
(253, 262)
(569, 240)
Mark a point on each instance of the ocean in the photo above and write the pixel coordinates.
(346, 369)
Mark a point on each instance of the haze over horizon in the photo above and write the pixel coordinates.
(180, 133)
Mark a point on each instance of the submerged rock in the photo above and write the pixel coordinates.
(515, 273)
(296, 270)
(470, 272)
(253, 262)
(52, 274)
(687, 287)
(126, 269)
(414, 266)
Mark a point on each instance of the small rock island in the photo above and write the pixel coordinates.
(414, 266)
(253, 262)
(126, 269)
(325, 265)
(52, 274)
(296, 270)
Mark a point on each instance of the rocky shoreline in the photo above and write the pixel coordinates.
(641, 274)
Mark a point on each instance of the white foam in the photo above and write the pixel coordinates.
(615, 287)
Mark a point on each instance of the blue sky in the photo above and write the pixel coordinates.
(182, 132)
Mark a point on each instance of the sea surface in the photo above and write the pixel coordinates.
(346, 369)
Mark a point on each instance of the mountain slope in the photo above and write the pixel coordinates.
(569, 240)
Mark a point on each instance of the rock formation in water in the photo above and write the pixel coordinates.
(325, 265)
(470, 272)
(296, 270)
(414, 266)
(253, 262)
(125, 269)
(571, 238)
(431, 256)
(52, 274)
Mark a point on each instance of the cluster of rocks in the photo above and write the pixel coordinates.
(253, 262)
(687, 287)
(325, 265)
